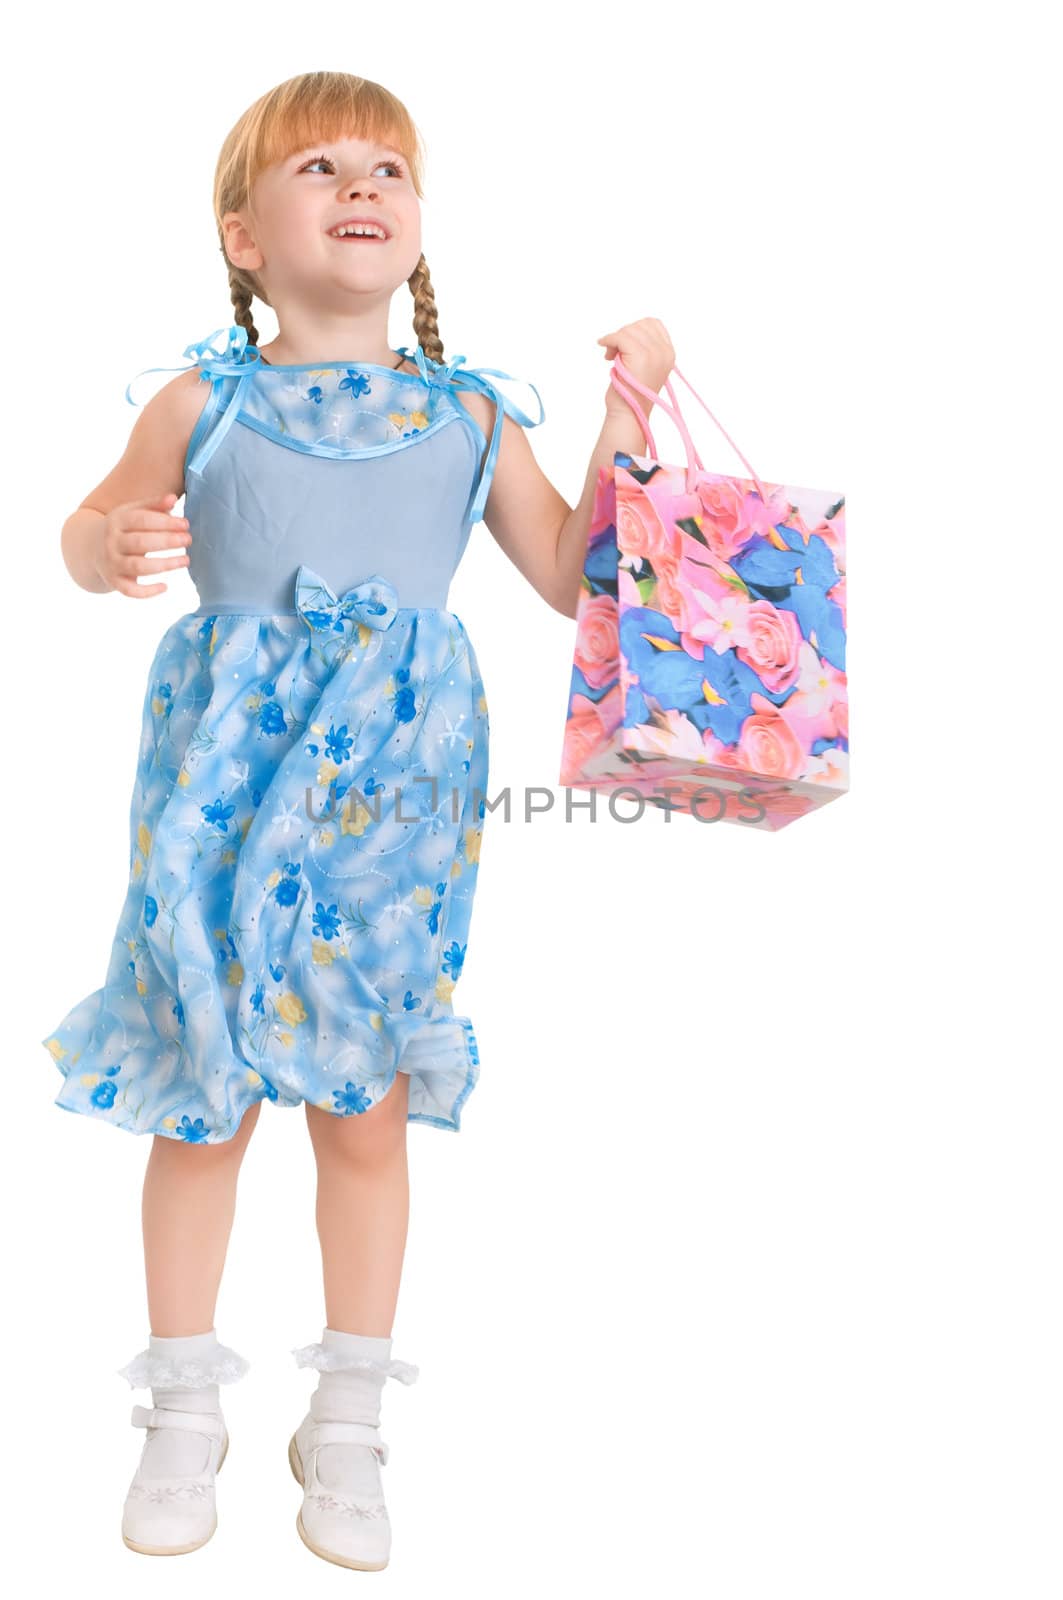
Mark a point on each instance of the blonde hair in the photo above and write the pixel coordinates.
(312, 106)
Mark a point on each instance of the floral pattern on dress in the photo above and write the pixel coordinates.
(305, 835)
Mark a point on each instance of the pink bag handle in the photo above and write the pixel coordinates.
(619, 371)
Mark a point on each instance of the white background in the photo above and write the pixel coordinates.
(742, 1276)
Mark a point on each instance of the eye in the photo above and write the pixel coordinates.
(396, 166)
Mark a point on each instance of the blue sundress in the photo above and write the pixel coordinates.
(308, 807)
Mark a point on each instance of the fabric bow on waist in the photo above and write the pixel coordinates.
(374, 602)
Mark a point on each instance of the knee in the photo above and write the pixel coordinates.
(219, 1154)
(365, 1140)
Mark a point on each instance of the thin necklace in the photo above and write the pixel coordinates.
(266, 363)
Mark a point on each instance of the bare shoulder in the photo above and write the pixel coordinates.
(479, 406)
(153, 462)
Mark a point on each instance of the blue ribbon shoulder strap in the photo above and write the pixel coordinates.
(455, 373)
(236, 359)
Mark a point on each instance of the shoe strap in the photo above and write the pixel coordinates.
(340, 1432)
(206, 1422)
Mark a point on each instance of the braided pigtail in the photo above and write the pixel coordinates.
(241, 296)
(425, 316)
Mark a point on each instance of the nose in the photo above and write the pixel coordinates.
(365, 189)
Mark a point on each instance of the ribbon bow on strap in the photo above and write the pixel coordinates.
(237, 358)
(457, 374)
(373, 602)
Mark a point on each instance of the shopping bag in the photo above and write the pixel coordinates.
(709, 666)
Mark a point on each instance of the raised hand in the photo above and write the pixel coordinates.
(646, 350)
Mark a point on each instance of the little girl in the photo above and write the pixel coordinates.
(309, 798)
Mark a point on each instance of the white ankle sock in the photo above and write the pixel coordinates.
(172, 1453)
(351, 1396)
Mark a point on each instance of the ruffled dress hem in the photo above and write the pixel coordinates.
(100, 1093)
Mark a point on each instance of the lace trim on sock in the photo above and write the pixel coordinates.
(150, 1371)
(315, 1355)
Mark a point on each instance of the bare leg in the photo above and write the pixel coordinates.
(363, 1208)
(188, 1206)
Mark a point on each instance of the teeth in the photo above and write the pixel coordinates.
(361, 229)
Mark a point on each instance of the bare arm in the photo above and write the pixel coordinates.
(620, 431)
(105, 541)
(545, 537)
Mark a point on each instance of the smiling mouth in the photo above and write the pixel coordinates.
(360, 229)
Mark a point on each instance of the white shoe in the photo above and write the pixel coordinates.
(169, 1508)
(170, 1516)
(336, 1452)
(350, 1527)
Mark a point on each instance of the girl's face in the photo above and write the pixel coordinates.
(285, 236)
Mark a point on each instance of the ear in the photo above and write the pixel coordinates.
(240, 246)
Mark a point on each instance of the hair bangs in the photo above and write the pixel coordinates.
(315, 107)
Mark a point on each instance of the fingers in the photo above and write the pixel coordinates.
(132, 566)
(647, 335)
(139, 529)
(137, 591)
(124, 577)
(144, 517)
(132, 533)
(134, 541)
